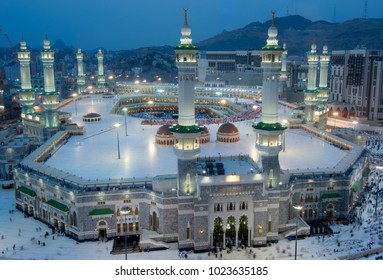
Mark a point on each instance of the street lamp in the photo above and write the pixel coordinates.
(126, 210)
(74, 95)
(150, 103)
(354, 123)
(126, 125)
(117, 125)
(298, 208)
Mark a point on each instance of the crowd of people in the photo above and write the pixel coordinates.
(202, 119)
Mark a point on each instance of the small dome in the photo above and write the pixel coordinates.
(273, 31)
(186, 31)
(313, 48)
(325, 49)
(164, 130)
(228, 133)
(164, 136)
(228, 128)
(92, 115)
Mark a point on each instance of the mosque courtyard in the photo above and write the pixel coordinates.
(95, 154)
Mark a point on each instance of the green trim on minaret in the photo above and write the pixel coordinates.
(272, 48)
(186, 129)
(269, 126)
(186, 47)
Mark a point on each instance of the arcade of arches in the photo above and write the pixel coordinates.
(344, 111)
(231, 233)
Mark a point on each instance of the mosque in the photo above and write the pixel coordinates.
(224, 189)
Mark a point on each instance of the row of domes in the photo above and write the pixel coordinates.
(227, 133)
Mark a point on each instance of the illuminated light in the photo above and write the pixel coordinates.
(232, 178)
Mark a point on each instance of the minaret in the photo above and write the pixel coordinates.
(186, 131)
(26, 93)
(269, 132)
(101, 76)
(324, 62)
(49, 98)
(311, 93)
(283, 76)
(80, 72)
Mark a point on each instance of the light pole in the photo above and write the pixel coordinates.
(150, 103)
(354, 123)
(125, 210)
(74, 95)
(117, 125)
(126, 124)
(298, 208)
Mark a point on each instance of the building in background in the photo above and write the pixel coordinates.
(356, 83)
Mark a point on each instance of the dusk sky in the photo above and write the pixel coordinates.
(128, 24)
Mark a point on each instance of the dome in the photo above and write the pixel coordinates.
(228, 128)
(164, 136)
(186, 31)
(164, 130)
(313, 48)
(92, 115)
(325, 49)
(273, 31)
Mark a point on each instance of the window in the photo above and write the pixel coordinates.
(230, 206)
(243, 205)
(218, 207)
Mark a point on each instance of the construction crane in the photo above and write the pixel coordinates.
(9, 44)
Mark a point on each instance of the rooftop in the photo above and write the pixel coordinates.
(141, 157)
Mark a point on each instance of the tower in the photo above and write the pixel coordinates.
(80, 72)
(324, 58)
(26, 93)
(101, 76)
(284, 75)
(49, 97)
(311, 93)
(269, 132)
(186, 132)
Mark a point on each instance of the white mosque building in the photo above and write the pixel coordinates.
(201, 185)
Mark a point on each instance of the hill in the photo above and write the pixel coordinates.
(299, 33)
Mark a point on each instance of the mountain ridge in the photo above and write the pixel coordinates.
(299, 34)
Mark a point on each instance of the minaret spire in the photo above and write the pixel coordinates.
(49, 97)
(80, 71)
(26, 93)
(185, 16)
(272, 18)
